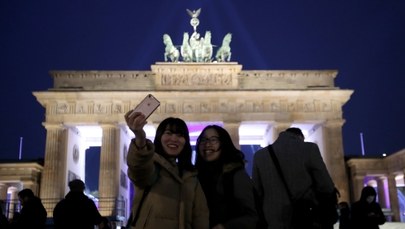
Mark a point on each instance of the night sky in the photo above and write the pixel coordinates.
(363, 40)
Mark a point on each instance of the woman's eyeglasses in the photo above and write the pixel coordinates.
(211, 140)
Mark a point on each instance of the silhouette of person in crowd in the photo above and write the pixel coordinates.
(32, 213)
(105, 224)
(167, 192)
(305, 174)
(366, 212)
(344, 215)
(4, 224)
(76, 210)
(226, 184)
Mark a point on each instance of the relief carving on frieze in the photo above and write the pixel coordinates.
(188, 108)
(249, 106)
(205, 107)
(257, 107)
(326, 107)
(291, 106)
(117, 108)
(62, 108)
(171, 108)
(223, 106)
(81, 108)
(274, 107)
(100, 108)
(241, 106)
(309, 107)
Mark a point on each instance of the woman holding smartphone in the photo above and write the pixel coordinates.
(167, 192)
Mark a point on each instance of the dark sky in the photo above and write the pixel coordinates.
(364, 40)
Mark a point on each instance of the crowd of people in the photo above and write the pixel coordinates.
(215, 192)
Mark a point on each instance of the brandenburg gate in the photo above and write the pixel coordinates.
(199, 93)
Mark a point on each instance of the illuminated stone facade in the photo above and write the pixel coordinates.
(195, 92)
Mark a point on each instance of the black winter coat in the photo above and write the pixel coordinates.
(367, 215)
(76, 211)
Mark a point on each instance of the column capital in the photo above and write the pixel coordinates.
(109, 125)
(285, 124)
(231, 123)
(50, 126)
(334, 123)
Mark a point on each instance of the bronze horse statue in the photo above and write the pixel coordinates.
(224, 52)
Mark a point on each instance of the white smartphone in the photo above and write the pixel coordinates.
(147, 106)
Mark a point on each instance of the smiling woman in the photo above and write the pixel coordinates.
(164, 176)
(221, 171)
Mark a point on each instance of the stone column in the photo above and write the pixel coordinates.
(381, 191)
(13, 202)
(333, 155)
(54, 173)
(393, 192)
(3, 197)
(3, 191)
(233, 130)
(403, 175)
(358, 185)
(109, 169)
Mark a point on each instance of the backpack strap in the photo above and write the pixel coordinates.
(280, 172)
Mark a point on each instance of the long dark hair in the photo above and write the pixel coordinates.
(229, 153)
(177, 126)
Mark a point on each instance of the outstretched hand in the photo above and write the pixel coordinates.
(136, 121)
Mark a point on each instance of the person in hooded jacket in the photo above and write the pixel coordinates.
(167, 192)
(366, 213)
(76, 210)
(226, 184)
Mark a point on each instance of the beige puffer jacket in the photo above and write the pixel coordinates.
(173, 202)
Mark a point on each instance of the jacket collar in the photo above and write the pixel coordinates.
(172, 169)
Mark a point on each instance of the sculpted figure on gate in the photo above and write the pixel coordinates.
(195, 48)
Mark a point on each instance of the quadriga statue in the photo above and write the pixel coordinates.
(185, 49)
(171, 52)
(207, 48)
(224, 52)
